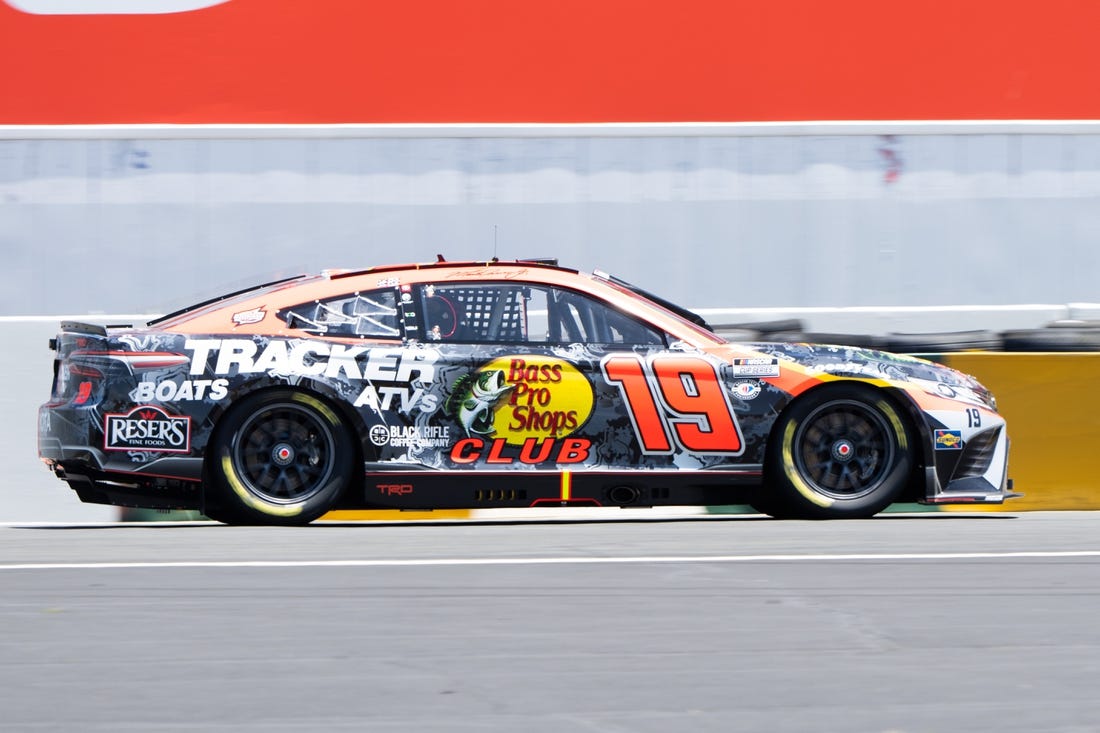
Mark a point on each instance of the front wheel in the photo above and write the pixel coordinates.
(279, 457)
(841, 453)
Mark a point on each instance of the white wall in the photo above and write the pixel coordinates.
(28, 491)
(144, 219)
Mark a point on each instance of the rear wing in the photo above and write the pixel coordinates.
(71, 330)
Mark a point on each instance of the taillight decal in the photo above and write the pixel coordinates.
(83, 392)
(141, 359)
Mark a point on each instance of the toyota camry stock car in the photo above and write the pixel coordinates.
(498, 384)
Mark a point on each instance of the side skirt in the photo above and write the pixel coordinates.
(424, 490)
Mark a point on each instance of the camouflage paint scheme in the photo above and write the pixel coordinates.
(456, 424)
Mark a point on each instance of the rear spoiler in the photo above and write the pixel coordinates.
(80, 327)
(93, 329)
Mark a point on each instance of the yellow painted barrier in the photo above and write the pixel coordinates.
(1052, 404)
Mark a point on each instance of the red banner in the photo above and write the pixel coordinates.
(446, 61)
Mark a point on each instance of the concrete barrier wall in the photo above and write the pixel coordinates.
(136, 220)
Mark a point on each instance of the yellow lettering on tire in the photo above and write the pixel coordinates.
(317, 405)
(792, 473)
(899, 430)
(246, 496)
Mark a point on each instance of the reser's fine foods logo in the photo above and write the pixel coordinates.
(147, 428)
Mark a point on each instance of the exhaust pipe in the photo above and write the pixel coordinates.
(623, 495)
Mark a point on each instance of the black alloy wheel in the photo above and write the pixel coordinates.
(280, 457)
(839, 452)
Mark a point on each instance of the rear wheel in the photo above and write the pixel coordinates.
(841, 453)
(279, 457)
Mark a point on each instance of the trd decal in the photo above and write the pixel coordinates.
(675, 399)
(394, 489)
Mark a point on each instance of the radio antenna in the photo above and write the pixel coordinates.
(494, 242)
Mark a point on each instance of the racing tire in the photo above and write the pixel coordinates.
(838, 453)
(278, 457)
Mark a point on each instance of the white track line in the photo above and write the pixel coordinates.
(476, 561)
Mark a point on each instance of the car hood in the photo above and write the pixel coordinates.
(864, 363)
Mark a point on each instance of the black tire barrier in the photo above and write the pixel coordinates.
(938, 343)
(1073, 323)
(857, 340)
(764, 327)
(1052, 339)
(1059, 336)
(788, 337)
(737, 335)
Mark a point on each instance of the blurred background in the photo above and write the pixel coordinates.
(942, 160)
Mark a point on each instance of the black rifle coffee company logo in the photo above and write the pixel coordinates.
(148, 428)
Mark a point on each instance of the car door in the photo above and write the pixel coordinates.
(532, 376)
(507, 397)
(662, 406)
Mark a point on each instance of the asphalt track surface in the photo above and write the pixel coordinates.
(904, 623)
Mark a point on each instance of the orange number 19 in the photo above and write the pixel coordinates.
(680, 395)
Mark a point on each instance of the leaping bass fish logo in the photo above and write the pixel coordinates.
(473, 398)
(110, 7)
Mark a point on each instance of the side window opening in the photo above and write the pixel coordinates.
(365, 315)
(581, 319)
(479, 313)
(523, 313)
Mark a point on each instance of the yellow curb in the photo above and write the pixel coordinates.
(391, 515)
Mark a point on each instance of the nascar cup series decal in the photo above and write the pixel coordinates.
(521, 409)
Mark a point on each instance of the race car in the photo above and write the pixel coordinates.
(456, 385)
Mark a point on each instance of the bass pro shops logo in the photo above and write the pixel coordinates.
(531, 402)
(148, 428)
(521, 397)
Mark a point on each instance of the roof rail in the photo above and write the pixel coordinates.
(547, 262)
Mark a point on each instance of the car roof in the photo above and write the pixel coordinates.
(475, 268)
(214, 316)
(332, 282)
